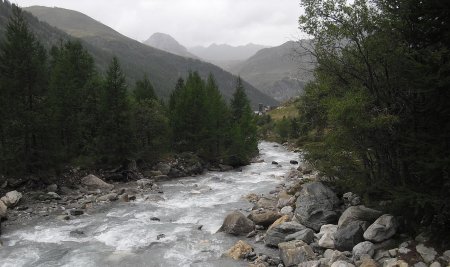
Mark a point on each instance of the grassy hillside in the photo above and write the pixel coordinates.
(136, 58)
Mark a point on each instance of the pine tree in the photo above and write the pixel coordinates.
(243, 136)
(115, 135)
(71, 76)
(23, 74)
(144, 90)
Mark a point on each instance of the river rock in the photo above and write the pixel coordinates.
(11, 198)
(306, 235)
(363, 248)
(52, 188)
(428, 253)
(309, 264)
(278, 233)
(326, 235)
(144, 183)
(53, 195)
(294, 252)
(239, 250)
(342, 264)
(368, 262)
(316, 205)
(348, 236)
(351, 199)
(282, 219)
(285, 199)
(76, 212)
(92, 182)
(161, 178)
(382, 229)
(163, 168)
(3, 210)
(236, 223)
(265, 203)
(358, 213)
(294, 162)
(264, 217)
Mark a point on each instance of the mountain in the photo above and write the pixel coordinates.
(280, 72)
(167, 43)
(224, 52)
(137, 59)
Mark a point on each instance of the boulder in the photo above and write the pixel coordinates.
(395, 263)
(368, 262)
(282, 219)
(11, 198)
(334, 255)
(294, 162)
(342, 264)
(294, 252)
(285, 199)
(363, 248)
(225, 168)
(309, 264)
(266, 203)
(316, 205)
(326, 235)
(236, 223)
(3, 210)
(239, 250)
(428, 253)
(144, 183)
(76, 212)
(306, 235)
(52, 188)
(278, 233)
(264, 217)
(358, 213)
(348, 236)
(160, 178)
(53, 195)
(382, 229)
(92, 182)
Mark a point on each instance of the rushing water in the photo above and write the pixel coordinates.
(125, 235)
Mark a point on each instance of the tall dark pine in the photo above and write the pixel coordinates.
(144, 90)
(243, 136)
(115, 135)
(22, 89)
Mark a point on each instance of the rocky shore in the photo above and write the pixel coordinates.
(311, 225)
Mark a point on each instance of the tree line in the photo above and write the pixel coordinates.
(377, 115)
(57, 110)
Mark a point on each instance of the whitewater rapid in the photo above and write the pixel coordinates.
(126, 234)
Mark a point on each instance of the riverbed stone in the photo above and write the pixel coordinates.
(294, 252)
(363, 248)
(266, 203)
(239, 250)
(428, 253)
(236, 223)
(108, 197)
(12, 198)
(342, 264)
(286, 210)
(92, 182)
(358, 213)
(264, 217)
(348, 236)
(278, 233)
(316, 205)
(52, 188)
(382, 229)
(306, 235)
(326, 235)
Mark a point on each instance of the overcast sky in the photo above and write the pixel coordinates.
(193, 22)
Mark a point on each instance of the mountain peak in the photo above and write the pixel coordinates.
(165, 42)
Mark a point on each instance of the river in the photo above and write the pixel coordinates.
(124, 234)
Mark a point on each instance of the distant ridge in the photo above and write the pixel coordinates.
(167, 43)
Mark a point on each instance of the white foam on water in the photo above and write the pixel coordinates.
(20, 257)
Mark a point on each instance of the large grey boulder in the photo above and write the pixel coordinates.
(428, 253)
(92, 182)
(358, 213)
(266, 203)
(11, 198)
(294, 252)
(382, 229)
(316, 205)
(349, 236)
(277, 234)
(264, 217)
(236, 223)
